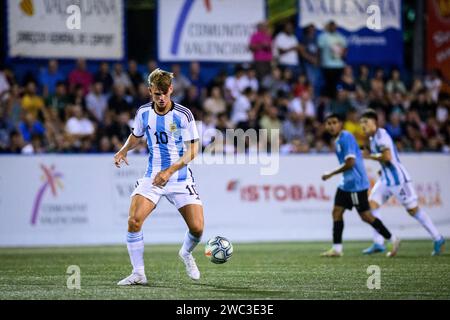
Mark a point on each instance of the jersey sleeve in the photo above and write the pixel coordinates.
(189, 131)
(138, 126)
(349, 146)
(383, 141)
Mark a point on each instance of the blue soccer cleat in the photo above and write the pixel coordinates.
(439, 247)
(374, 248)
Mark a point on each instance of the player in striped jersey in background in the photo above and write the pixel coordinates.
(394, 181)
(173, 142)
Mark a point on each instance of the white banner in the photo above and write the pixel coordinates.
(209, 30)
(66, 29)
(350, 15)
(78, 200)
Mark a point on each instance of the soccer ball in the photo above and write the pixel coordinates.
(218, 250)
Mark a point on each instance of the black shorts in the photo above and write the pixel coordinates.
(348, 200)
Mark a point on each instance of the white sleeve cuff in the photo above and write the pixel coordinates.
(350, 156)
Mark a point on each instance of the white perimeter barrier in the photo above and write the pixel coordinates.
(80, 200)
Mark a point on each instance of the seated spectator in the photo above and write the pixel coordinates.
(80, 76)
(50, 77)
(241, 106)
(235, 84)
(97, 102)
(121, 128)
(104, 76)
(30, 126)
(180, 84)
(215, 103)
(274, 82)
(142, 97)
(363, 81)
(352, 125)
(134, 75)
(118, 101)
(192, 101)
(196, 79)
(293, 127)
(395, 84)
(342, 104)
(347, 81)
(120, 77)
(59, 100)
(433, 83)
(303, 106)
(31, 102)
(79, 127)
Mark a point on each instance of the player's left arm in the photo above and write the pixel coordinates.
(163, 176)
(385, 156)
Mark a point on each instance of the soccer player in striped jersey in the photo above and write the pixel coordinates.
(394, 181)
(173, 142)
(353, 189)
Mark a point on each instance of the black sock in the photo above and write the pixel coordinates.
(379, 226)
(338, 228)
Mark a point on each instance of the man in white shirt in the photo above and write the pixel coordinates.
(286, 47)
(79, 127)
(241, 106)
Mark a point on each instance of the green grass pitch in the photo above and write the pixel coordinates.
(256, 271)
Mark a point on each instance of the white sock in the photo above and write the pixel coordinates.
(426, 222)
(338, 247)
(189, 244)
(377, 238)
(135, 245)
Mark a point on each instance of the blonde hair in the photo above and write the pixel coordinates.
(161, 79)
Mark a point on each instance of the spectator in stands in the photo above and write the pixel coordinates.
(261, 47)
(341, 105)
(293, 127)
(433, 83)
(12, 102)
(424, 105)
(97, 102)
(274, 82)
(59, 100)
(118, 101)
(151, 66)
(6, 127)
(4, 83)
(363, 81)
(192, 101)
(134, 75)
(79, 127)
(104, 76)
(180, 84)
(80, 76)
(303, 107)
(121, 78)
(16, 143)
(395, 84)
(215, 103)
(241, 106)
(142, 97)
(347, 81)
(235, 84)
(333, 47)
(50, 77)
(310, 53)
(30, 126)
(270, 122)
(352, 125)
(31, 102)
(121, 128)
(286, 47)
(196, 79)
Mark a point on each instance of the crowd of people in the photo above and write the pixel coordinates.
(289, 87)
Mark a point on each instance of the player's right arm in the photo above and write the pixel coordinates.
(349, 147)
(121, 155)
(137, 132)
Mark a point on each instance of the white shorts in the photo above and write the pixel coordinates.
(404, 193)
(178, 193)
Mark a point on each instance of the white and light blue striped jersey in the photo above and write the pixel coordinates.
(393, 173)
(166, 135)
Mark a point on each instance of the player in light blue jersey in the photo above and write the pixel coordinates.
(173, 142)
(394, 181)
(353, 189)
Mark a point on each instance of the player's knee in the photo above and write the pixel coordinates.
(196, 229)
(373, 205)
(134, 224)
